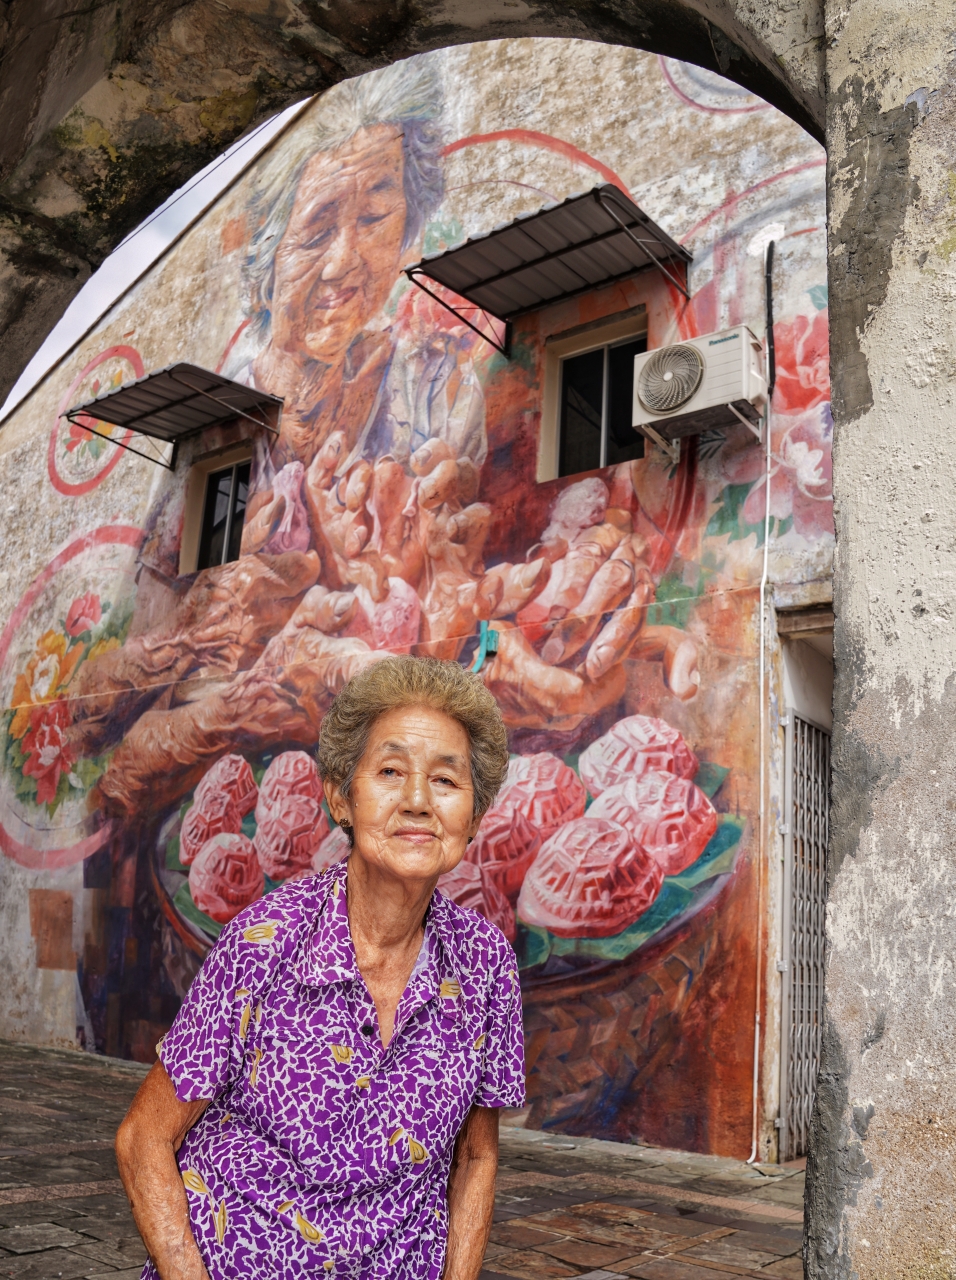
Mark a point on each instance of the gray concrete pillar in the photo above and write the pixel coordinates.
(882, 1175)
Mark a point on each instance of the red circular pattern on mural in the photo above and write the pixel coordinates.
(232, 342)
(52, 859)
(545, 140)
(711, 109)
(76, 489)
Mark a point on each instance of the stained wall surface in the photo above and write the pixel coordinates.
(399, 507)
(881, 1181)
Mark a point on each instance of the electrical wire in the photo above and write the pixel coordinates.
(762, 839)
(11, 404)
(195, 182)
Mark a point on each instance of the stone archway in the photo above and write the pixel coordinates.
(110, 108)
(106, 109)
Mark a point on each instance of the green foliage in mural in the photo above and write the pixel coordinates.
(674, 600)
(441, 235)
(189, 911)
(728, 519)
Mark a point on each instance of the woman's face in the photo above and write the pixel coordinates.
(412, 803)
(341, 252)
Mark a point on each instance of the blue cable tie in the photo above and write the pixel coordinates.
(487, 644)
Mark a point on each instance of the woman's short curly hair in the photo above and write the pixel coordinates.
(404, 681)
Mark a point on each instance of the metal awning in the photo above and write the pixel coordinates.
(584, 243)
(174, 404)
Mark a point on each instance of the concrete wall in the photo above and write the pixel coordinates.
(881, 1179)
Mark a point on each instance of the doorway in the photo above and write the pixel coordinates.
(808, 689)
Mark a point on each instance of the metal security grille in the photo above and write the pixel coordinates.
(808, 770)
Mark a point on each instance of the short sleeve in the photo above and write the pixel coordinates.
(202, 1050)
(502, 1081)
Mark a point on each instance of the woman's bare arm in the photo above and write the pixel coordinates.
(146, 1146)
(471, 1193)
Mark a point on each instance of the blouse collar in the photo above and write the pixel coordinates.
(329, 955)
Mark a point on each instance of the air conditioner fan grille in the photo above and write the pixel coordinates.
(670, 378)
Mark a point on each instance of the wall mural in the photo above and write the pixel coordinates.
(160, 728)
(78, 460)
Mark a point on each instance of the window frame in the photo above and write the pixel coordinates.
(232, 471)
(197, 484)
(595, 335)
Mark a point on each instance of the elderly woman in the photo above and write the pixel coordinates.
(339, 208)
(326, 1102)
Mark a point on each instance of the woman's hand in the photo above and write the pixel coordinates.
(471, 1194)
(146, 1146)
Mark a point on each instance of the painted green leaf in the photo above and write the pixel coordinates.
(709, 778)
(442, 235)
(89, 771)
(189, 911)
(673, 602)
(727, 518)
(172, 855)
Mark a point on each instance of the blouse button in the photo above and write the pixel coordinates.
(367, 1029)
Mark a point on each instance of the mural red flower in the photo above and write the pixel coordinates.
(47, 673)
(803, 363)
(801, 473)
(84, 613)
(47, 751)
(78, 434)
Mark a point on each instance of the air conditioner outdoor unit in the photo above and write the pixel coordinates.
(713, 381)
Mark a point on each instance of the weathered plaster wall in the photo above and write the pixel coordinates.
(808, 682)
(881, 1178)
(41, 1001)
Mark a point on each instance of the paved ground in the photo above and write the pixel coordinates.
(566, 1207)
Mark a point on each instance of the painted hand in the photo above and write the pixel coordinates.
(341, 521)
(532, 693)
(282, 698)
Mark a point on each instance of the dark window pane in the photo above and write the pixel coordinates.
(623, 442)
(238, 509)
(582, 393)
(215, 516)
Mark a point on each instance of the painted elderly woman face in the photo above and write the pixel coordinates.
(411, 804)
(341, 251)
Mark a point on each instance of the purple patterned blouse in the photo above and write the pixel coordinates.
(322, 1153)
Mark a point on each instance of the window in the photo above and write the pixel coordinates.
(595, 408)
(217, 485)
(586, 398)
(223, 511)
